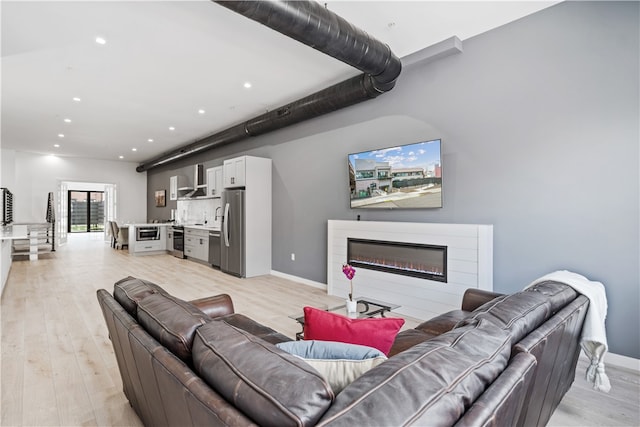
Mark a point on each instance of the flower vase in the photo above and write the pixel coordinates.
(352, 306)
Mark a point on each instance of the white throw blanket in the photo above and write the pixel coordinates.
(594, 337)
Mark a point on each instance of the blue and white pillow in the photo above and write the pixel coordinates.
(339, 363)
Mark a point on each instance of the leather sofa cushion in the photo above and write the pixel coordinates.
(558, 294)
(215, 305)
(254, 328)
(130, 290)
(407, 339)
(270, 386)
(443, 323)
(518, 313)
(467, 360)
(171, 321)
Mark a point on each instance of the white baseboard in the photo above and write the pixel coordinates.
(293, 278)
(622, 361)
(619, 361)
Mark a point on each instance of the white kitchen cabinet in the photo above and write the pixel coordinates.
(148, 246)
(173, 188)
(214, 181)
(196, 244)
(235, 172)
(169, 245)
(178, 183)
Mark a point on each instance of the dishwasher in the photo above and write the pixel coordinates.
(214, 248)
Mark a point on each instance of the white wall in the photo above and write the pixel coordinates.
(7, 168)
(31, 177)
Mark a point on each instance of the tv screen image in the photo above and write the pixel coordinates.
(402, 177)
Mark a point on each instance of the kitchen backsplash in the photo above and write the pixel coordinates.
(199, 211)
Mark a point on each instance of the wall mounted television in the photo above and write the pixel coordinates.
(401, 177)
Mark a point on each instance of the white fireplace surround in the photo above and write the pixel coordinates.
(469, 264)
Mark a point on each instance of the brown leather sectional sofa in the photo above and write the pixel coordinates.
(500, 360)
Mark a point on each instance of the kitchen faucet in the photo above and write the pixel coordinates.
(215, 218)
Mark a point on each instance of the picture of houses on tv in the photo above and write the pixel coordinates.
(402, 177)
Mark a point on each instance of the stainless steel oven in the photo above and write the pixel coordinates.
(145, 233)
(178, 241)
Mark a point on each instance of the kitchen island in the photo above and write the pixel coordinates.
(148, 239)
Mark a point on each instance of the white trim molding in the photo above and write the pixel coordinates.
(621, 361)
(302, 280)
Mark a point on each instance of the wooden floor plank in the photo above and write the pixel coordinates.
(56, 350)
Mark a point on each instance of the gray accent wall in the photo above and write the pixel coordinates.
(540, 127)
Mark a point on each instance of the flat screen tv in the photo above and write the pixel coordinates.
(402, 177)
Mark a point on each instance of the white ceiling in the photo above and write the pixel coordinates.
(165, 60)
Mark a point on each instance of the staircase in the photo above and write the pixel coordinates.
(41, 236)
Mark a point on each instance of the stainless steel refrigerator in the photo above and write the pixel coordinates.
(232, 243)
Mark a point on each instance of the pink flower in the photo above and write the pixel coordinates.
(349, 272)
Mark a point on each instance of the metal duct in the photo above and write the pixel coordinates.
(315, 26)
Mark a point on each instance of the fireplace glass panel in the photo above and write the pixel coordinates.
(409, 259)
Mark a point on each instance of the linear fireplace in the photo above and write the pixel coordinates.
(408, 259)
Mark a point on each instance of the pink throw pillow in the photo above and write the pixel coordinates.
(376, 332)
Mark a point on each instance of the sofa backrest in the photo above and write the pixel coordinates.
(130, 290)
(518, 313)
(272, 387)
(558, 294)
(556, 347)
(161, 388)
(432, 383)
(502, 403)
(172, 322)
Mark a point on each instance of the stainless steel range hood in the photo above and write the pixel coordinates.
(199, 183)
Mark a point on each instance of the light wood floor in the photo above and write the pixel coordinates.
(58, 367)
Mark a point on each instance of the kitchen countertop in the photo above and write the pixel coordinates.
(170, 224)
(157, 224)
(204, 227)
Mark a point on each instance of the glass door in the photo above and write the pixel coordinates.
(86, 211)
(62, 206)
(109, 207)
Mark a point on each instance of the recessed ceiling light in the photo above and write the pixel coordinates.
(150, 140)
(201, 111)
(134, 149)
(67, 120)
(121, 157)
(56, 145)
(75, 98)
(61, 135)
(101, 40)
(247, 85)
(172, 128)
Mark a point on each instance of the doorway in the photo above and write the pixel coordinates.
(86, 211)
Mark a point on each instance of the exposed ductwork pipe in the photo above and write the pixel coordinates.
(315, 26)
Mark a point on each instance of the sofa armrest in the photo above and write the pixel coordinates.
(215, 306)
(474, 298)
